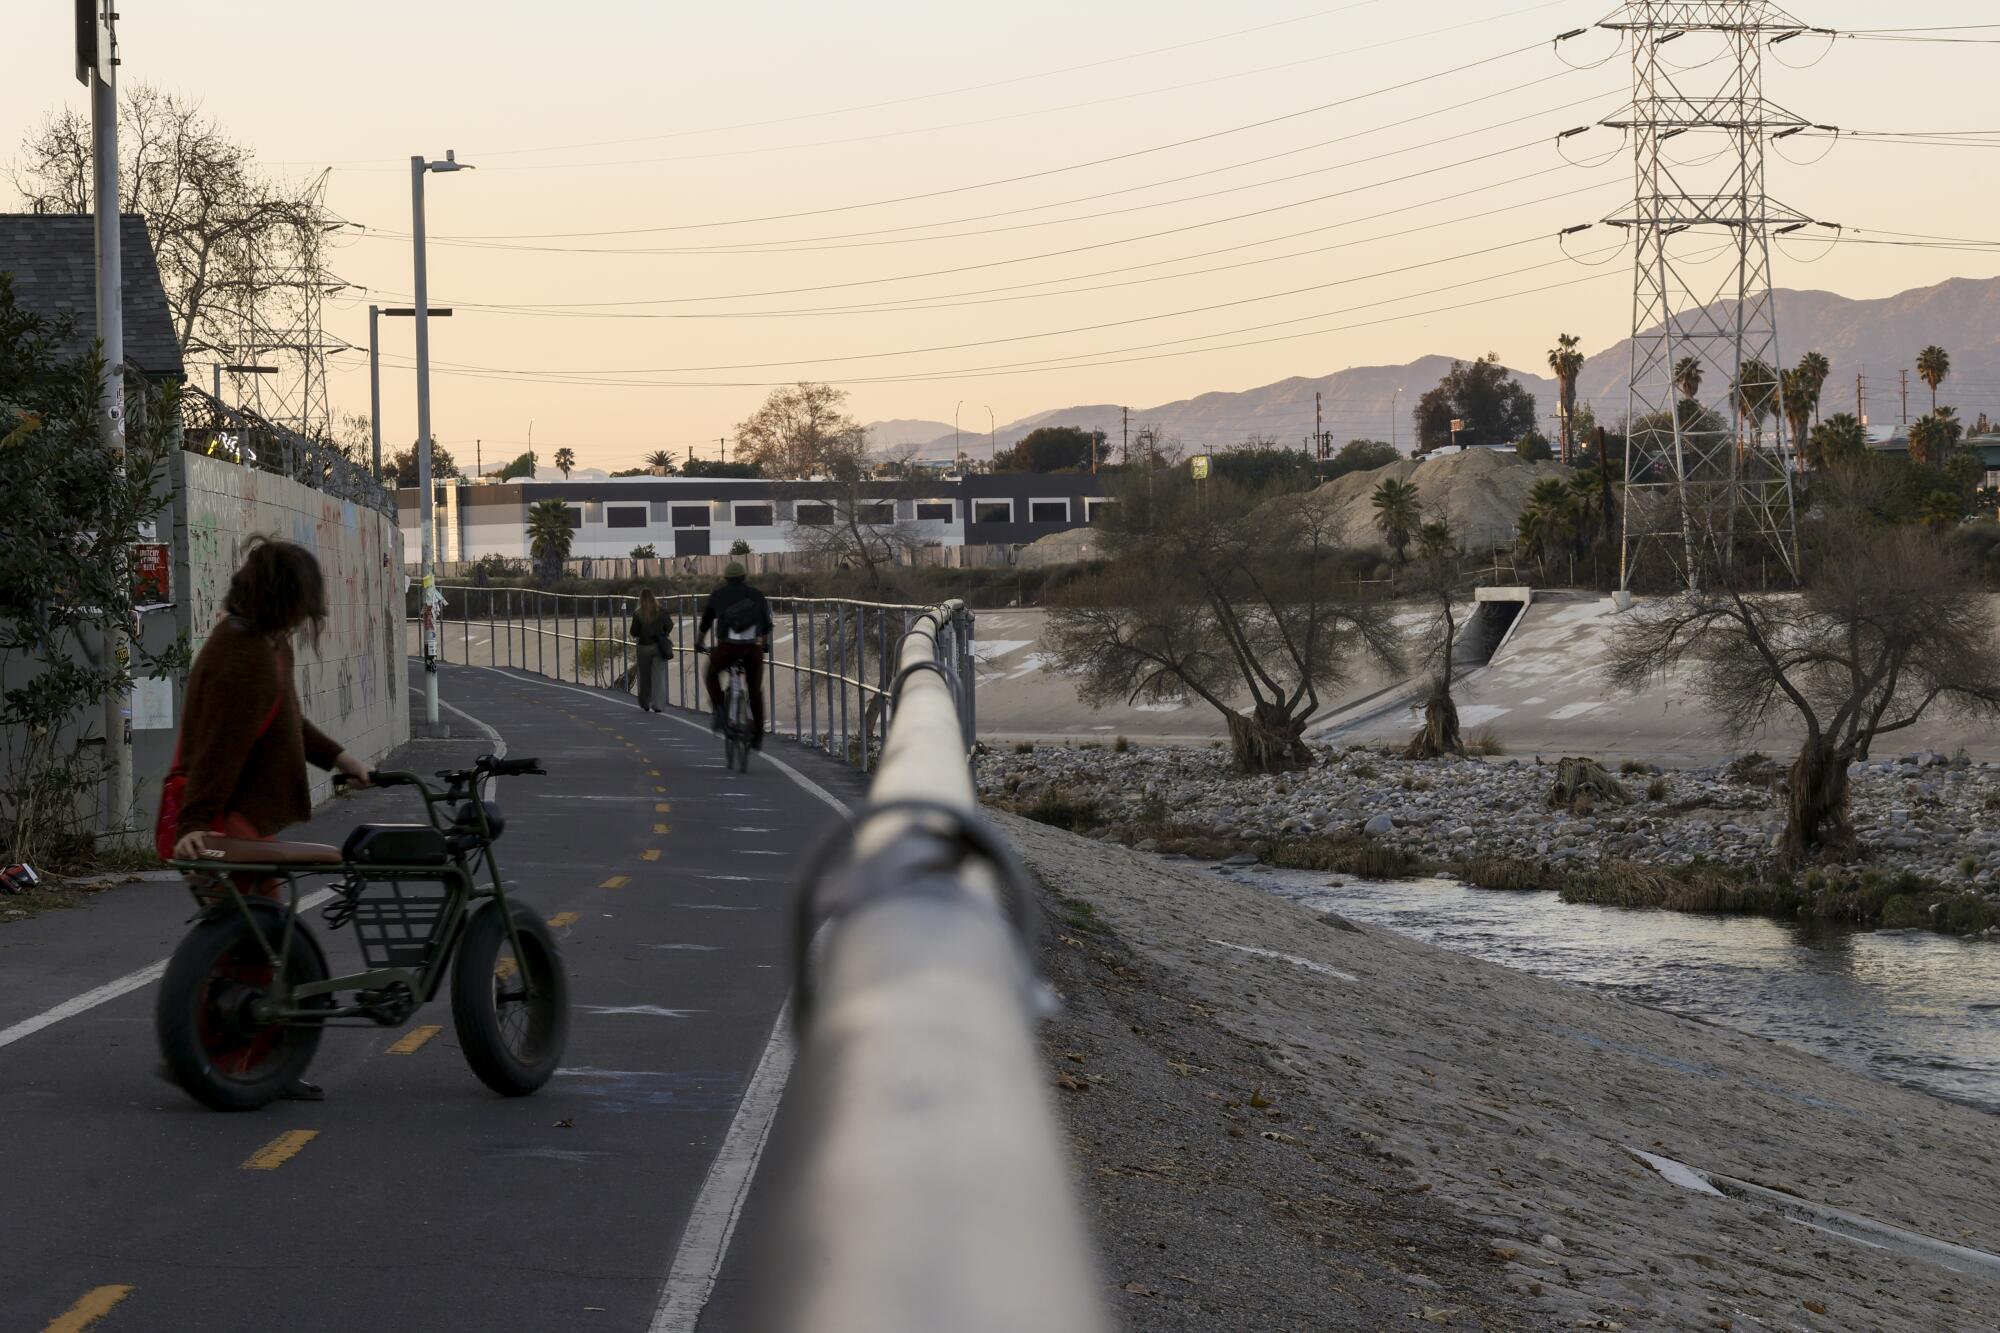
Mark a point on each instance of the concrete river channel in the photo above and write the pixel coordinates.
(1916, 1008)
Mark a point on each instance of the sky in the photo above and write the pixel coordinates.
(989, 211)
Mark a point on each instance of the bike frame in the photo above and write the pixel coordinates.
(214, 887)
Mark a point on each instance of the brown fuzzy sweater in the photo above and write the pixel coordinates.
(230, 767)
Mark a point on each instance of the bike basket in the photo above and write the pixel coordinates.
(395, 920)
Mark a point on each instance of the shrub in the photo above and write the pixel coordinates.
(1486, 741)
(1024, 747)
(1754, 769)
(1632, 768)
(1120, 745)
(1064, 811)
(1656, 790)
(1364, 858)
(1511, 873)
(1578, 779)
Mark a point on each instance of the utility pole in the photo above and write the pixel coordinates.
(1125, 435)
(1319, 435)
(1860, 401)
(425, 499)
(479, 456)
(374, 389)
(102, 76)
(1906, 399)
(722, 444)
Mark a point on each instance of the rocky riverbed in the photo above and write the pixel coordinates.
(1923, 814)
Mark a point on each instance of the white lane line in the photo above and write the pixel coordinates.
(712, 1223)
(111, 990)
(150, 973)
(705, 1241)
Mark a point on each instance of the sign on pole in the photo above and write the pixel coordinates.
(1199, 464)
(96, 48)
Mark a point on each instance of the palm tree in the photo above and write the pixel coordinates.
(1940, 511)
(1933, 368)
(1795, 400)
(661, 461)
(1756, 394)
(565, 460)
(1566, 362)
(1933, 437)
(1397, 516)
(1687, 377)
(1547, 521)
(1838, 440)
(1814, 370)
(549, 535)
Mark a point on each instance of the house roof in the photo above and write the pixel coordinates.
(53, 257)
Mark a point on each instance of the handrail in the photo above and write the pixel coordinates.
(839, 675)
(922, 1183)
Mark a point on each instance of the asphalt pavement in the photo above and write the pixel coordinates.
(413, 1197)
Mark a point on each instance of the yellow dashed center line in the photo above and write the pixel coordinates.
(92, 1306)
(662, 808)
(616, 882)
(650, 854)
(561, 919)
(412, 1041)
(279, 1150)
(663, 828)
(659, 791)
(652, 772)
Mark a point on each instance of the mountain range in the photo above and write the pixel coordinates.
(1875, 339)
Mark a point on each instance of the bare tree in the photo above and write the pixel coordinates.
(1436, 578)
(1892, 625)
(861, 529)
(1214, 595)
(236, 247)
(801, 431)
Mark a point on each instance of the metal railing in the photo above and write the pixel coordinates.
(832, 661)
(920, 1180)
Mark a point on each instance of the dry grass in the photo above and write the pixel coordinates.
(1507, 873)
(1486, 742)
(1364, 858)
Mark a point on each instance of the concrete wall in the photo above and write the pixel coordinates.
(354, 686)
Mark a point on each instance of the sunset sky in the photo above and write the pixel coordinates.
(684, 204)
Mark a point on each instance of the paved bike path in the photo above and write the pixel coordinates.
(413, 1197)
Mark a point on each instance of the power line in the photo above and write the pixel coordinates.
(1034, 175)
(999, 295)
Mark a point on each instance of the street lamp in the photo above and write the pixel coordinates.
(1394, 412)
(426, 538)
(236, 370)
(992, 448)
(375, 371)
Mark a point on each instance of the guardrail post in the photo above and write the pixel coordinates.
(798, 713)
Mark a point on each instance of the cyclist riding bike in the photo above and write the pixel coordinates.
(741, 619)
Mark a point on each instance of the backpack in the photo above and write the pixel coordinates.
(743, 619)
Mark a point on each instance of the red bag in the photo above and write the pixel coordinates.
(173, 790)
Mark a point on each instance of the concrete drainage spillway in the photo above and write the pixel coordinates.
(1495, 613)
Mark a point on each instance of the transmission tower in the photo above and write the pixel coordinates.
(1702, 487)
(279, 319)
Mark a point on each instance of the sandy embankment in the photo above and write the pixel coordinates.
(1446, 1140)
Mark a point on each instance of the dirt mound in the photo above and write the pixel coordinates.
(1480, 492)
(1059, 548)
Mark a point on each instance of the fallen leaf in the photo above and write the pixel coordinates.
(1183, 1068)
(1137, 1289)
(1072, 1083)
(1259, 1100)
(1275, 1137)
(1438, 1314)
(567, 1122)
(1814, 1306)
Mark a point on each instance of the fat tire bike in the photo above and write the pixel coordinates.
(247, 993)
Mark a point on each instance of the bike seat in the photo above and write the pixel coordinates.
(250, 851)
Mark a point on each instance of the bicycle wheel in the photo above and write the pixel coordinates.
(511, 1014)
(222, 1056)
(740, 726)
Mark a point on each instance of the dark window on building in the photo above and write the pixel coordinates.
(753, 516)
(814, 515)
(992, 511)
(1048, 511)
(1094, 506)
(934, 511)
(876, 512)
(625, 516)
(690, 516)
(573, 515)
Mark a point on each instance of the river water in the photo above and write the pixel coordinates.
(1910, 1006)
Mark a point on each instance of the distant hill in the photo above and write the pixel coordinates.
(885, 435)
(1875, 337)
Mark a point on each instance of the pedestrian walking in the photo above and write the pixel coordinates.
(653, 631)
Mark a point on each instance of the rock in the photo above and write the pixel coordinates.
(1146, 845)
(1241, 859)
(1379, 826)
(1553, 1244)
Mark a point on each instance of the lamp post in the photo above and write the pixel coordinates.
(956, 449)
(236, 370)
(426, 538)
(1394, 411)
(375, 371)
